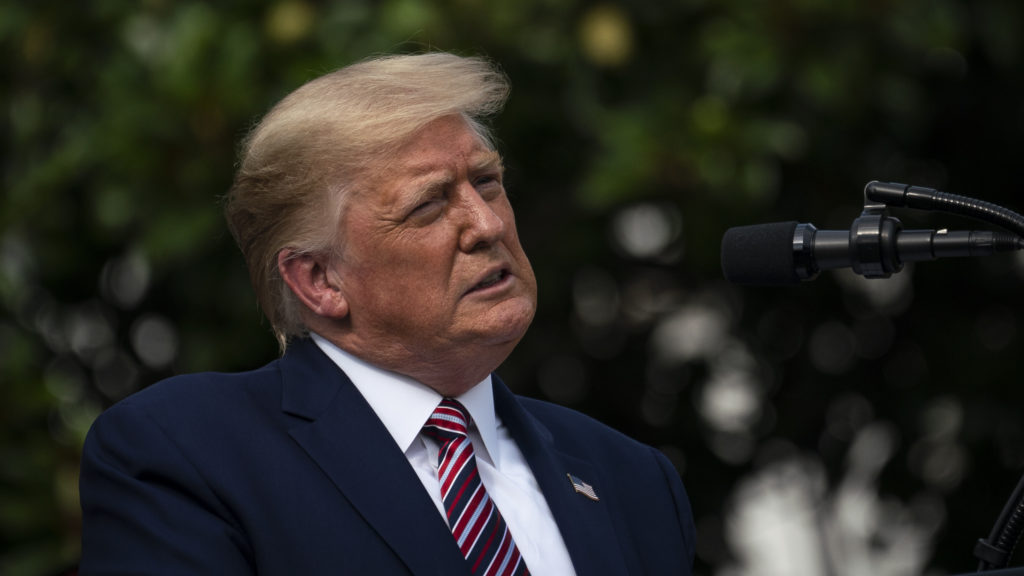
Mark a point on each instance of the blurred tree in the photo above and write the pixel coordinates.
(636, 134)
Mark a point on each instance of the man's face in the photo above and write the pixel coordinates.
(431, 264)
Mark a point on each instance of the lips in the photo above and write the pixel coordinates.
(490, 280)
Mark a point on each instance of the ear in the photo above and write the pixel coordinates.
(311, 280)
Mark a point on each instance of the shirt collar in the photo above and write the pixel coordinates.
(403, 404)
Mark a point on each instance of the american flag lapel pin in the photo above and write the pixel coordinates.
(582, 487)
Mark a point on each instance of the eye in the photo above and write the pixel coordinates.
(488, 178)
(425, 209)
(488, 185)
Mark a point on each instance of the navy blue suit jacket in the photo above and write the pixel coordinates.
(287, 470)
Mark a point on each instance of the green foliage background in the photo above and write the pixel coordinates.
(637, 132)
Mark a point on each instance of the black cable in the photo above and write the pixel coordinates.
(997, 550)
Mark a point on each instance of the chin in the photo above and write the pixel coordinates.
(508, 325)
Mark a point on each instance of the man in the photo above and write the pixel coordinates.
(370, 208)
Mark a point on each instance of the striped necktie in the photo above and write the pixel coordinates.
(476, 524)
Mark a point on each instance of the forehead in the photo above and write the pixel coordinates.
(434, 155)
(445, 141)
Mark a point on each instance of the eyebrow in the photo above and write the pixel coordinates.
(486, 160)
(431, 179)
(482, 160)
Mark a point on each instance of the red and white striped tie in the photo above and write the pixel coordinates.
(476, 524)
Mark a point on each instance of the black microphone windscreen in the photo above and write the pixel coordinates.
(760, 254)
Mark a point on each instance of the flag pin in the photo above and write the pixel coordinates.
(582, 487)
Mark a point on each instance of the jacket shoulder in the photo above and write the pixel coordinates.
(180, 391)
(557, 417)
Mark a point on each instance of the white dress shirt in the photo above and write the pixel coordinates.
(404, 405)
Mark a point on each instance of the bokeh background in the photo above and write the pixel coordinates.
(844, 427)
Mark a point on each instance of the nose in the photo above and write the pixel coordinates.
(482, 225)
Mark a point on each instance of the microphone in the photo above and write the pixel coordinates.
(784, 253)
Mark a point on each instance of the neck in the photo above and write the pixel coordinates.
(449, 375)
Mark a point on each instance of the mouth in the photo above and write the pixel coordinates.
(492, 279)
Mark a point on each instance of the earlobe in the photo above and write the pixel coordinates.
(310, 279)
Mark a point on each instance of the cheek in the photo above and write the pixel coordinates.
(411, 284)
(398, 306)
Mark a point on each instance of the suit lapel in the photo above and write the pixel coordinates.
(343, 435)
(586, 526)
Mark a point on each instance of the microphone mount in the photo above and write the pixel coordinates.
(870, 248)
(918, 197)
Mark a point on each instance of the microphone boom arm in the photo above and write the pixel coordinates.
(871, 247)
(918, 197)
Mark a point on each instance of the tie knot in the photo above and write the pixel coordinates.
(449, 420)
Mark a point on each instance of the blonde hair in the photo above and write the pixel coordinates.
(302, 161)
